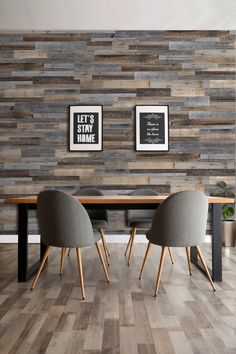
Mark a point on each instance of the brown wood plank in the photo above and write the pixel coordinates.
(114, 199)
(122, 317)
(43, 72)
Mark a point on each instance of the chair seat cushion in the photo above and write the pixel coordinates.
(140, 223)
(97, 224)
(153, 240)
(97, 236)
(148, 234)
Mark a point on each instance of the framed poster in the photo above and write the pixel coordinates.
(85, 128)
(152, 128)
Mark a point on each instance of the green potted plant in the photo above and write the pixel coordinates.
(228, 212)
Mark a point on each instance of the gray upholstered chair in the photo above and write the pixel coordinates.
(139, 219)
(180, 221)
(64, 223)
(99, 217)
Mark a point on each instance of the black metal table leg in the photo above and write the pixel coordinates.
(216, 243)
(24, 271)
(194, 255)
(216, 246)
(22, 242)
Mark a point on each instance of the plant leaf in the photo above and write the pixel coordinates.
(227, 211)
(221, 184)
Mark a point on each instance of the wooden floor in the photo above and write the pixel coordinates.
(123, 316)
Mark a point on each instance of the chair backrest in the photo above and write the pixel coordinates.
(141, 214)
(181, 220)
(63, 221)
(97, 214)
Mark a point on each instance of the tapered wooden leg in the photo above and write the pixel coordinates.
(160, 270)
(131, 244)
(171, 258)
(68, 252)
(145, 258)
(45, 256)
(205, 266)
(107, 250)
(104, 246)
(127, 247)
(188, 258)
(102, 261)
(79, 260)
(63, 253)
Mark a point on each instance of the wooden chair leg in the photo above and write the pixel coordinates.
(107, 250)
(45, 256)
(160, 270)
(170, 254)
(63, 253)
(68, 252)
(145, 258)
(104, 246)
(205, 266)
(102, 261)
(188, 259)
(128, 244)
(131, 244)
(80, 266)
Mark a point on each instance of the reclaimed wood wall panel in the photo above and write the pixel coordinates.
(42, 73)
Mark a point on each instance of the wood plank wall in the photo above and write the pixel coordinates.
(42, 73)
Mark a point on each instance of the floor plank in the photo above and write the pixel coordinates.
(120, 317)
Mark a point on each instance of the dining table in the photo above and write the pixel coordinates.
(116, 202)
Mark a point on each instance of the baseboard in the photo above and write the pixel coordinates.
(110, 238)
(14, 239)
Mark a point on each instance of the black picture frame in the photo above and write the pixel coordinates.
(152, 128)
(86, 128)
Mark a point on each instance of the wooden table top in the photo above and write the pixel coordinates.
(114, 199)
